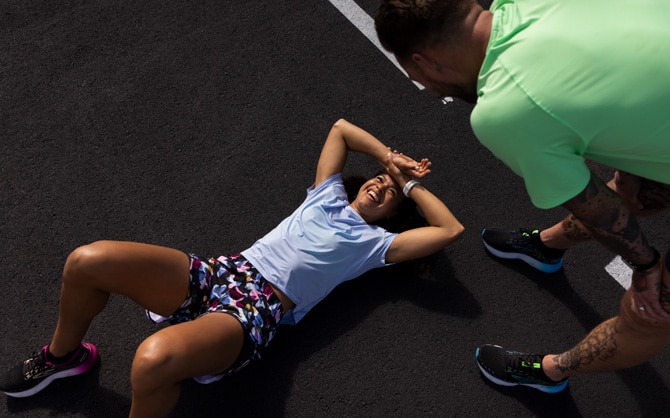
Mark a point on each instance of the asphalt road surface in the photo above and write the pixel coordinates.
(197, 125)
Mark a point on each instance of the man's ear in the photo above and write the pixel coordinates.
(423, 61)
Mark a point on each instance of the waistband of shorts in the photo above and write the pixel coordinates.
(261, 282)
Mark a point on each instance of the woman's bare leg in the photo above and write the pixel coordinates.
(207, 345)
(154, 277)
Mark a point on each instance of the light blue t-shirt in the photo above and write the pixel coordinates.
(323, 243)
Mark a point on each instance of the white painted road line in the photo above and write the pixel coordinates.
(364, 23)
(620, 271)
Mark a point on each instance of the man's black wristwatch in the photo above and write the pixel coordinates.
(644, 267)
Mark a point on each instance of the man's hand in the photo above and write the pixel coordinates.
(651, 295)
(628, 187)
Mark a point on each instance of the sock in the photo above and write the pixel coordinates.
(63, 359)
(549, 379)
(551, 252)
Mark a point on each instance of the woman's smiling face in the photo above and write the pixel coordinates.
(378, 198)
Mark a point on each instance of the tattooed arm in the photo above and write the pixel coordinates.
(606, 216)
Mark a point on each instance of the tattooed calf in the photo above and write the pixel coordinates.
(598, 345)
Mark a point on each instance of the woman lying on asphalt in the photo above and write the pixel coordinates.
(224, 311)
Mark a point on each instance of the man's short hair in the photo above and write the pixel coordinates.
(405, 26)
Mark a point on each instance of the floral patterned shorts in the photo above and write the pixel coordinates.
(231, 285)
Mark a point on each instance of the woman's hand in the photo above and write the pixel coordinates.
(394, 171)
(408, 166)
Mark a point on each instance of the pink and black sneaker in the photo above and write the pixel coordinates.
(36, 373)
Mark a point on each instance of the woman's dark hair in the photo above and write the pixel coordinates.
(407, 215)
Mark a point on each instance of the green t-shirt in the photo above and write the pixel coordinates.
(569, 80)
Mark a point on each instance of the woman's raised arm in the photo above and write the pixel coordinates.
(443, 227)
(344, 137)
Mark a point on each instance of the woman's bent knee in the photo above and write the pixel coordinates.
(151, 365)
(83, 262)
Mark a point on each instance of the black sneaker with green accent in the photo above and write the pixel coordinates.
(512, 368)
(34, 374)
(524, 245)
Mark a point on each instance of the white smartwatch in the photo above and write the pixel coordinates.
(408, 186)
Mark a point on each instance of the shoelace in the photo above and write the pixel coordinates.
(530, 364)
(526, 233)
(522, 236)
(34, 365)
(531, 240)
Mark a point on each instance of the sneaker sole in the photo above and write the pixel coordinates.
(542, 388)
(209, 378)
(543, 267)
(81, 369)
